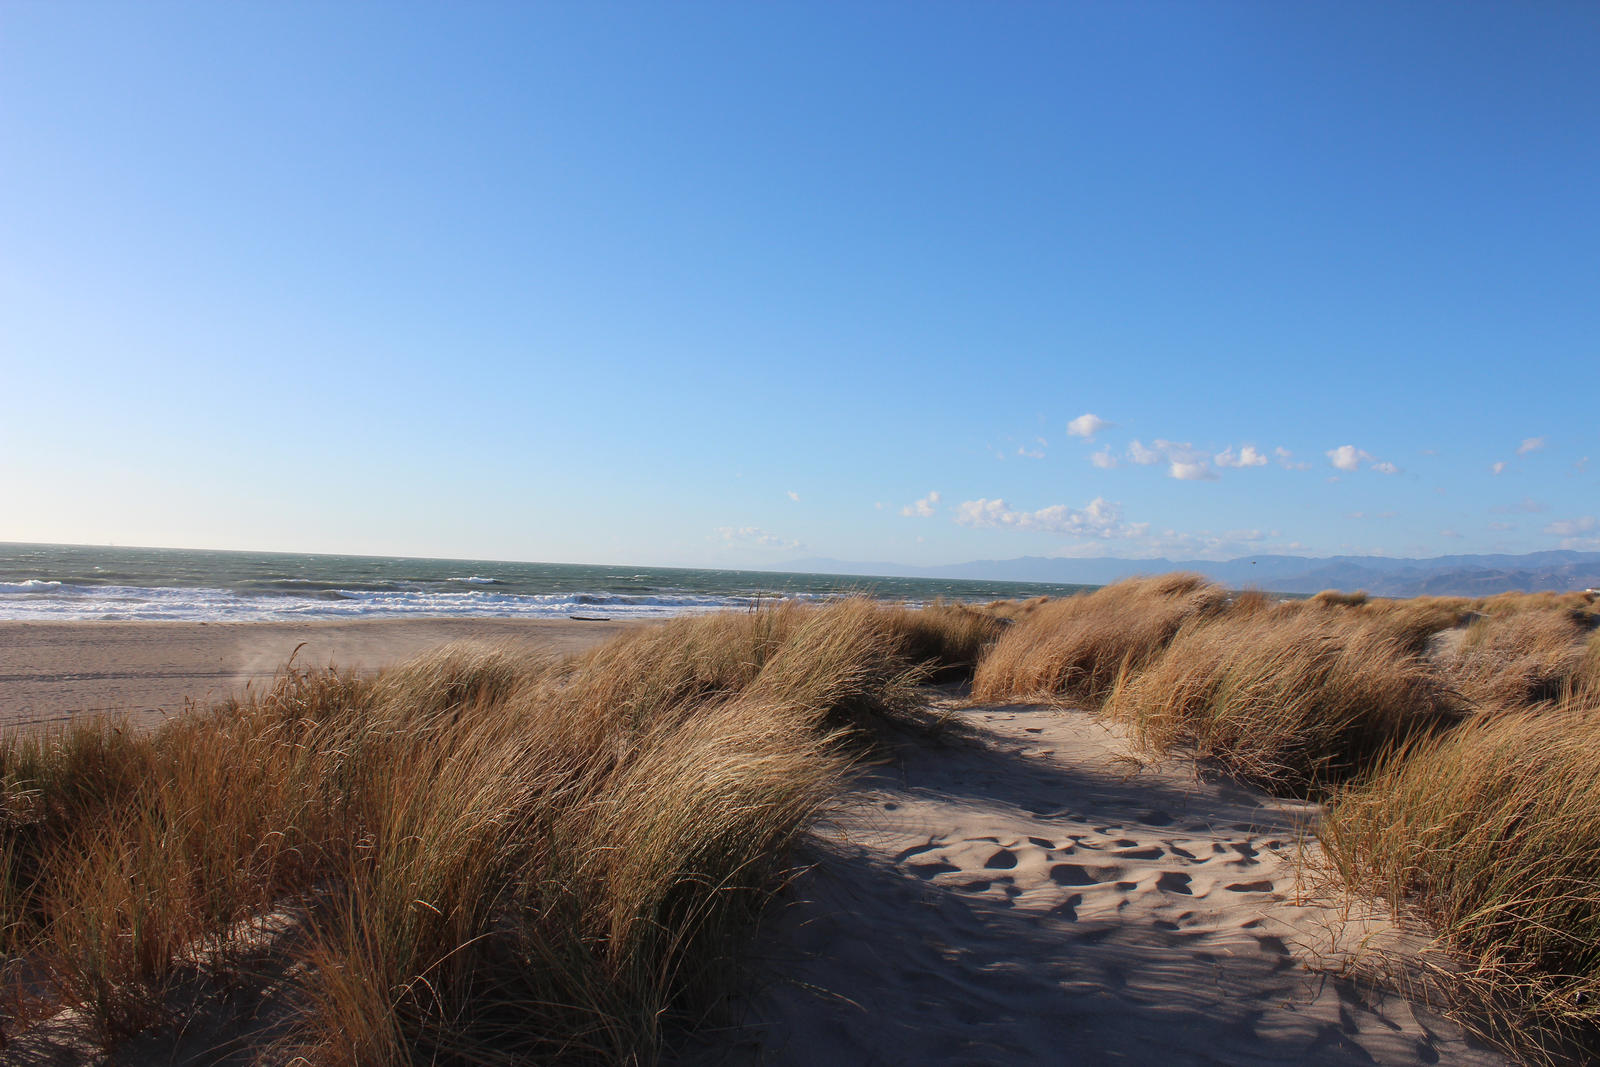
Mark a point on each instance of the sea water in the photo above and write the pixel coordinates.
(83, 582)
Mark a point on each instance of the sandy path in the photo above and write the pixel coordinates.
(49, 671)
(1039, 898)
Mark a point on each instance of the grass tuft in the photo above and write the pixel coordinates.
(1290, 700)
(1076, 648)
(1491, 833)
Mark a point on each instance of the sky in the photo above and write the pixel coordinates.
(737, 284)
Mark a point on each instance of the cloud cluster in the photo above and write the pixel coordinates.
(1528, 446)
(1098, 519)
(1033, 453)
(1573, 527)
(1350, 458)
(922, 509)
(1287, 461)
(1101, 520)
(1247, 456)
(1183, 460)
(754, 535)
(1086, 426)
(1580, 533)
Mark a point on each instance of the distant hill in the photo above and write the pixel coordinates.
(1472, 575)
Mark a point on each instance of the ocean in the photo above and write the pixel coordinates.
(86, 582)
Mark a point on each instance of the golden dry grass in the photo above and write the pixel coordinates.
(1290, 699)
(467, 859)
(1466, 732)
(1491, 834)
(1506, 660)
(1076, 647)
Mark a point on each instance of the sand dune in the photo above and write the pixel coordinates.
(1037, 896)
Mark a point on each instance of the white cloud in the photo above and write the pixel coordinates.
(1449, 533)
(1502, 526)
(1530, 444)
(1191, 472)
(1527, 505)
(1099, 518)
(794, 495)
(1497, 467)
(1183, 460)
(1086, 426)
(1573, 527)
(1104, 459)
(1247, 457)
(1347, 457)
(1581, 465)
(754, 535)
(1031, 453)
(1386, 468)
(922, 509)
(1141, 455)
(1287, 461)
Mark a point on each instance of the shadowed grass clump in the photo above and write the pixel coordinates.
(465, 859)
(1491, 833)
(1288, 699)
(1076, 647)
(949, 638)
(1508, 660)
(1418, 619)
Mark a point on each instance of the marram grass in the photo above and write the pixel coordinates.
(468, 859)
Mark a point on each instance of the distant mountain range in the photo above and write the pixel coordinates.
(1479, 575)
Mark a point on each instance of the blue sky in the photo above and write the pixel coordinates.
(734, 284)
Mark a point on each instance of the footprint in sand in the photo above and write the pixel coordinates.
(1003, 860)
(1149, 852)
(917, 850)
(1068, 909)
(1262, 886)
(1174, 882)
(1076, 874)
(932, 870)
(1272, 945)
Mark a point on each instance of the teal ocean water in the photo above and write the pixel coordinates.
(78, 582)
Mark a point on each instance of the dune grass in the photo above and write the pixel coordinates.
(1075, 648)
(465, 859)
(1457, 740)
(1293, 699)
(1491, 834)
(1508, 660)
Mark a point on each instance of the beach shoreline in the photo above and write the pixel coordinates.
(52, 671)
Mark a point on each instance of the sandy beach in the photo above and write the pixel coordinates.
(1035, 893)
(50, 671)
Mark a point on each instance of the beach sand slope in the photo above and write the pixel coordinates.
(1037, 896)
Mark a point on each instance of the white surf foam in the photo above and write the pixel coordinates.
(45, 601)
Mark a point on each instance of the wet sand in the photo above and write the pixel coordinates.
(50, 671)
